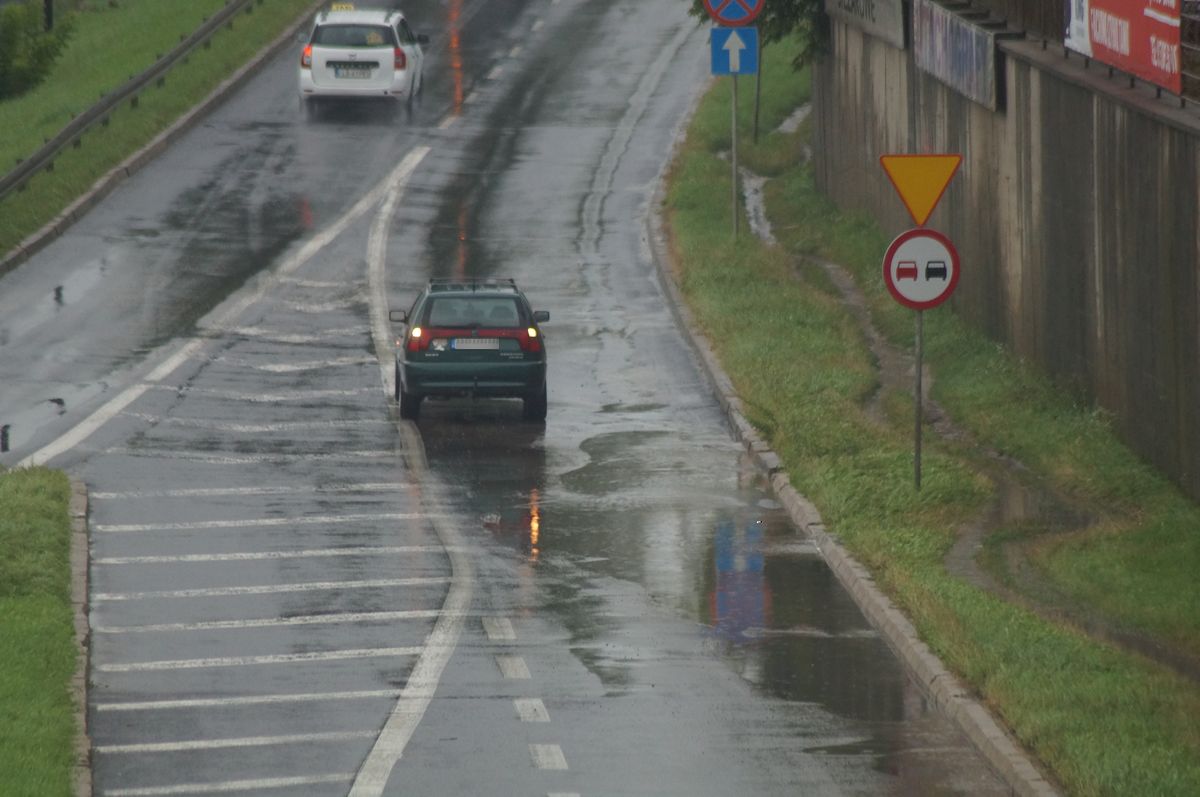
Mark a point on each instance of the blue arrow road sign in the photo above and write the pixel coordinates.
(734, 51)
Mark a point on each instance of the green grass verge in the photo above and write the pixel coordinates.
(37, 655)
(1104, 721)
(91, 66)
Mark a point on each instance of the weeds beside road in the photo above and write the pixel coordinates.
(1104, 719)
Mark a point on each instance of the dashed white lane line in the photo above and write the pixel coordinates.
(270, 589)
(516, 51)
(294, 367)
(499, 629)
(531, 709)
(257, 428)
(251, 700)
(218, 492)
(249, 661)
(448, 122)
(548, 756)
(315, 520)
(229, 786)
(472, 98)
(258, 556)
(496, 72)
(249, 459)
(513, 668)
(226, 744)
(266, 398)
(538, 25)
(272, 622)
(279, 336)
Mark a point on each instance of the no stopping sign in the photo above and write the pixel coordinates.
(921, 268)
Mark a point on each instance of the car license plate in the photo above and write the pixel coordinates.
(352, 73)
(476, 344)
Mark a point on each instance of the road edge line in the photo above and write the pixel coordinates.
(1019, 770)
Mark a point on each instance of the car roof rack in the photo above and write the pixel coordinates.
(473, 284)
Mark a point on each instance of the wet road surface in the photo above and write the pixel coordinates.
(606, 604)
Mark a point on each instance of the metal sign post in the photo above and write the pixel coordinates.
(920, 397)
(734, 52)
(733, 124)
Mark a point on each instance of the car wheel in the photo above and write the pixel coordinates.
(410, 405)
(535, 406)
(397, 388)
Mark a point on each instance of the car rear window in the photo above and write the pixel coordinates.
(354, 36)
(496, 312)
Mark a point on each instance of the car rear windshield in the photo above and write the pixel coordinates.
(495, 312)
(354, 36)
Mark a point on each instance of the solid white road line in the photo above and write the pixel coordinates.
(547, 756)
(531, 710)
(270, 589)
(513, 668)
(317, 553)
(216, 492)
(294, 367)
(423, 681)
(257, 428)
(315, 520)
(225, 744)
(499, 629)
(249, 661)
(266, 398)
(254, 700)
(228, 786)
(249, 459)
(272, 622)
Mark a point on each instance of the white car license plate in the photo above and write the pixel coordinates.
(476, 344)
(360, 74)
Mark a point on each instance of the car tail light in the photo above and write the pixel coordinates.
(401, 59)
(417, 341)
(306, 57)
(530, 340)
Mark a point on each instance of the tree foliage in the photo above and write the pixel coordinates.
(27, 52)
(782, 18)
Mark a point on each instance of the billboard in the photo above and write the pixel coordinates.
(883, 19)
(1138, 36)
(958, 52)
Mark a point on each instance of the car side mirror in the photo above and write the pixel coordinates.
(541, 316)
(397, 316)
(422, 38)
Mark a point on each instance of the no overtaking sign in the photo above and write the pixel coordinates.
(734, 13)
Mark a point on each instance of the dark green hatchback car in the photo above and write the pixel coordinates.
(471, 338)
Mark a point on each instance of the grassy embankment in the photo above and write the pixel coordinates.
(37, 655)
(92, 66)
(1104, 721)
(37, 648)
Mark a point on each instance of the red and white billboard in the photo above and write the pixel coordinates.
(1138, 36)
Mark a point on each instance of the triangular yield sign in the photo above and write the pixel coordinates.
(920, 180)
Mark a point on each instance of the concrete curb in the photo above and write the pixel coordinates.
(80, 561)
(940, 686)
(134, 163)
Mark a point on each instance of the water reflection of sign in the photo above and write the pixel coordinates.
(883, 19)
(1140, 36)
(956, 51)
(740, 604)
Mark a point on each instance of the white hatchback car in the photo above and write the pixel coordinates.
(362, 53)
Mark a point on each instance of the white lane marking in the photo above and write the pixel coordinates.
(270, 589)
(257, 428)
(516, 51)
(228, 786)
(279, 336)
(294, 367)
(423, 681)
(547, 756)
(266, 398)
(513, 668)
(250, 661)
(472, 98)
(538, 25)
(531, 709)
(225, 744)
(249, 459)
(496, 72)
(258, 556)
(563, 794)
(254, 700)
(312, 520)
(319, 284)
(216, 492)
(271, 622)
(499, 629)
(100, 417)
(448, 122)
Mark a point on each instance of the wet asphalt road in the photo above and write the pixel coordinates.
(606, 604)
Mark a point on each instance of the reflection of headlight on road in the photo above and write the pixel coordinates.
(438, 344)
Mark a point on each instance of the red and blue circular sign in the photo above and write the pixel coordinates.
(921, 268)
(733, 13)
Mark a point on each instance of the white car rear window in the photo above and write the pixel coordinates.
(354, 36)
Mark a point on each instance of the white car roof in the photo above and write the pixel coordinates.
(359, 15)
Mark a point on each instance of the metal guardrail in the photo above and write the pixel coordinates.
(72, 134)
